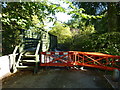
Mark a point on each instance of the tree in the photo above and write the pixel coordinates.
(23, 15)
(113, 14)
(91, 8)
(96, 8)
(96, 32)
(63, 34)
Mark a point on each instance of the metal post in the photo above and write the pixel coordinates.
(116, 75)
(83, 61)
(36, 64)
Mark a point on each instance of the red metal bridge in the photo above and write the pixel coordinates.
(75, 58)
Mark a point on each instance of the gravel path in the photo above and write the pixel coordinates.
(56, 78)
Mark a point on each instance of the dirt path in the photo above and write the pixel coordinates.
(55, 78)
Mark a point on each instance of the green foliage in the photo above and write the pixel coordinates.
(91, 8)
(81, 39)
(23, 15)
(80, 19)
(107, 43)
(79, 12)
(61, 31)
(90, 30)
(86, 31)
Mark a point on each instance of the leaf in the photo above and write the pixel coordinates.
(84, 16)
(94, 17)
(60, 9)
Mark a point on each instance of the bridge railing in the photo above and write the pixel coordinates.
(55, 59)
(74, 58)
(97, 60)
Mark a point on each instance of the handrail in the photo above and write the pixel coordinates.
(38, 47)
(16, 48)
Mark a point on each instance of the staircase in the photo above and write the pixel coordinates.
(26, 54)
(29, 56)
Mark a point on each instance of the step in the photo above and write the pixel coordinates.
(25, 66)
(27, 61)
(29, 55)
(31, 39)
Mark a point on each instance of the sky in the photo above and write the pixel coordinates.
(63, 17)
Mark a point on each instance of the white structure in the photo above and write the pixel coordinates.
(4, 66)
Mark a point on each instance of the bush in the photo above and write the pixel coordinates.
(108, 43)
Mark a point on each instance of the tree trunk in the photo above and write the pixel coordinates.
(118, 16)
(112, 17)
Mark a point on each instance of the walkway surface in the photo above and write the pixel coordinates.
(56, 78)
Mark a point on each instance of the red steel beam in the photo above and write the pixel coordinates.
(75, 57)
